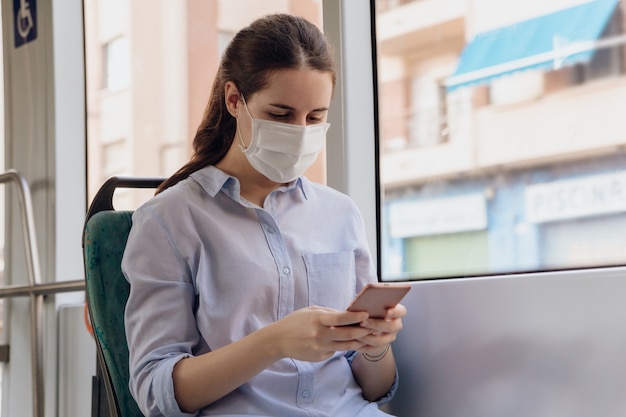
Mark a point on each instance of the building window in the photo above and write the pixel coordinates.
(606, 61)
(171, 154)
(115, 158)
(223, 39)
(442, 97)
(116, 64)
(428, 117)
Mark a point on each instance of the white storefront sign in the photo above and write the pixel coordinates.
(437, 216)
(588, 196)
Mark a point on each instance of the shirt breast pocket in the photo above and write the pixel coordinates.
(331, 279)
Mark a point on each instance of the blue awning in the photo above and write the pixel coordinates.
(548, 42)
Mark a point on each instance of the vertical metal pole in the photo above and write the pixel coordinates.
(34, 278)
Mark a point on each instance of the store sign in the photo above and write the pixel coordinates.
(589, 196)
(438, 216)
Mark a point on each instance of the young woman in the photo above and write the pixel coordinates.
(241, 269)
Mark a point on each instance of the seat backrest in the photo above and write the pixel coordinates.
(105, 238)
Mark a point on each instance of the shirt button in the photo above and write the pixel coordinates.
(286, 270)
(305, 394)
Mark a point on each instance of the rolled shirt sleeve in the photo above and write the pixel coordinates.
(160, 323)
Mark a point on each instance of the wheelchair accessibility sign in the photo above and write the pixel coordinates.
(24, 21)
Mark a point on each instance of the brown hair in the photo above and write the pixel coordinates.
(273, 42)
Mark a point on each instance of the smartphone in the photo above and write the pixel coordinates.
(377, 298)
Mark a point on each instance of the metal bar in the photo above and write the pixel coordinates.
(28, 225)
(42, 289)
(36, 341)
(36, 302)
(34, 279)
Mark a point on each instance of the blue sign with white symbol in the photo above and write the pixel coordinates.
(25, 21)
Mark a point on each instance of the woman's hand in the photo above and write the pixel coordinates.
(381, 331)
(316, 333)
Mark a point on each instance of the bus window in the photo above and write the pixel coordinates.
(149, 72)
(501, 136)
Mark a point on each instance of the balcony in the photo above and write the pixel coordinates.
(573, 123)
(421, 25)
(582, 120)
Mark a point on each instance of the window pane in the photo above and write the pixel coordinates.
(502, 136)
(150, 67)
(115, 161)
(116, 64)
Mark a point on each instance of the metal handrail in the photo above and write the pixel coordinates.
(42, 289)
(35, 289)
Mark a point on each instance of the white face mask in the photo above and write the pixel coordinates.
(282, 151)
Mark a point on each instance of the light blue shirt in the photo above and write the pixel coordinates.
(207, 268)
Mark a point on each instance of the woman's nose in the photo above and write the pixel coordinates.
(300, 120)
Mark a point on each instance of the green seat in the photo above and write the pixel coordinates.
(104, 240)
(107, 291)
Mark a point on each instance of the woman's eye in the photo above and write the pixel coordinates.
(279, 116)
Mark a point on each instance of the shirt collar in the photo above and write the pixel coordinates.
(302, 185)
(213, 179)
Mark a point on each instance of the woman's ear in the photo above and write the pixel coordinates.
(231, 96)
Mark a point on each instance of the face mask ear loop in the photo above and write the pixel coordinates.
(242, 145)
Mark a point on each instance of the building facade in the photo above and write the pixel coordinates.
(502, 135)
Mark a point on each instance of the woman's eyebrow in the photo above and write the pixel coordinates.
(286, 107)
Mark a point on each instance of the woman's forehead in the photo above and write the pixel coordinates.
(297, 87)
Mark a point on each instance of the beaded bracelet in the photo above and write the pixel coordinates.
(376, 358)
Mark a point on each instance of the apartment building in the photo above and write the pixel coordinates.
(502, 135)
